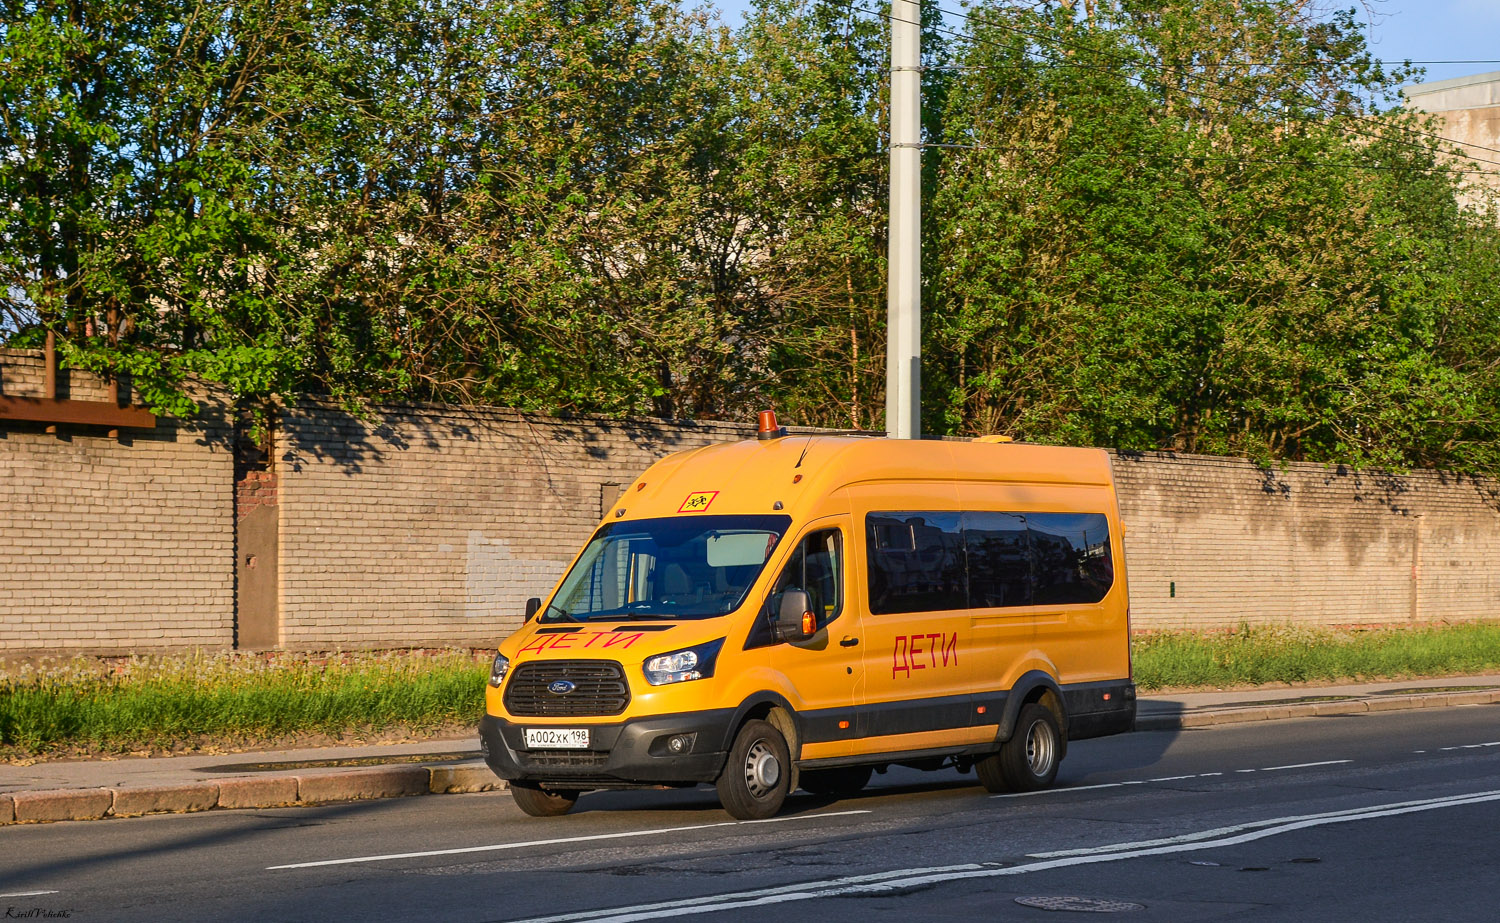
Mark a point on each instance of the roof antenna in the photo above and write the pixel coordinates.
(804, 453)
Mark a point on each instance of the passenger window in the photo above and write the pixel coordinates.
(916, 562)
(999, 561)
(816, 566)
(1072, 557)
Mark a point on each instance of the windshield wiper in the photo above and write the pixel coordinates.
(563, 614)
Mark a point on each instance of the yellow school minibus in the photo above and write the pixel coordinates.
(801, 611)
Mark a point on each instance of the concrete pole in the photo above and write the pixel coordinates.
(903, 401)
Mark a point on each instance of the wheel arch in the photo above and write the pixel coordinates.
(1034, 686)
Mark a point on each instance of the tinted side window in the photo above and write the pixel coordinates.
(1071, 557)
(916, 562)
(999, 560)
(817, 566)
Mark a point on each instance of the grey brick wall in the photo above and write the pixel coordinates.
(112, 544)
(1310, 544)
(430, 525)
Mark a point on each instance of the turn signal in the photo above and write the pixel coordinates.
(809, 623)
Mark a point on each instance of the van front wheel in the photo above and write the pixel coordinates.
(542, 803)
(1029, 760)
(753, 785)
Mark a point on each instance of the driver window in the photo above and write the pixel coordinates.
(817, 566)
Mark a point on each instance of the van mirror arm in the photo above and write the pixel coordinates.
(532, 604)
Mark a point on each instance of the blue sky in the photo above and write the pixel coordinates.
(1421, 30)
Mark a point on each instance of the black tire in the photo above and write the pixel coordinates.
(1029, 760)
(753, 785)
(841, 782)
(541, 803)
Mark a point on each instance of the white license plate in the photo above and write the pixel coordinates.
(557, 738)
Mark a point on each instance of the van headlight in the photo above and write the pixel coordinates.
(499, 668)
(681, 666)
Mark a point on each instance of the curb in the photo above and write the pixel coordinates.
(1229, 714)
(252, 792)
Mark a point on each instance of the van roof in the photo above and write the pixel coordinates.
(753, 475)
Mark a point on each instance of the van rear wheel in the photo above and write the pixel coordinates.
(841, 782)
(753, 785)
(540, 802)
(1029, 760)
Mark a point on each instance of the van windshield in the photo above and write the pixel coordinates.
(678, 567)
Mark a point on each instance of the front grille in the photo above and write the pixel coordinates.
(601, 689)
(563, 759)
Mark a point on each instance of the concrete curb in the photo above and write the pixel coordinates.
(1229, 714)
(306, 788)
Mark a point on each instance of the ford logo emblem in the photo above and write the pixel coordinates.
(560, 687)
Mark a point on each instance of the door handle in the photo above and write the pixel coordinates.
(848, 642)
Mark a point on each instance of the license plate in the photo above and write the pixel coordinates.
(557, 738)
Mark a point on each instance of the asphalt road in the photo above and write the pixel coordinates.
(1389, 816)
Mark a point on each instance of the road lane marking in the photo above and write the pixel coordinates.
(1306, 765)
(1200, 775)
(904, 879)
(1493, 743)
(27, 893)
(1237, 828)
(557, 841)
(692, 902)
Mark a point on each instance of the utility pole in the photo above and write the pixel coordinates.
(903, 351)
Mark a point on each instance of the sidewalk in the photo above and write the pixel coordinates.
(129, 786)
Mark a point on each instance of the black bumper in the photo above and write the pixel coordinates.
(632, 752)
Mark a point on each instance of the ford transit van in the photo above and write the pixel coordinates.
(800, 611)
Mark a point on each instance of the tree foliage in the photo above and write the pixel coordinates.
(1150, 224)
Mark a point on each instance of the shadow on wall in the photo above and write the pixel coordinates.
(1392, 490)
(355, 441)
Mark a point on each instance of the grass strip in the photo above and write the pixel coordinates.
(1256, 655)
(157, 703)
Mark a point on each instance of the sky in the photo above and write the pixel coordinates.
(1419, 30)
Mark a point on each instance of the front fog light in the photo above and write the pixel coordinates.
(681, 666)
(499, 668)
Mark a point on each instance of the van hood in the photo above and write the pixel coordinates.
(626, 642)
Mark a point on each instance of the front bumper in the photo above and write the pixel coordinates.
(632, 752)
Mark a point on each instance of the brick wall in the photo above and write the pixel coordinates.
(1311, 544)
(112, 544)
(432, 525)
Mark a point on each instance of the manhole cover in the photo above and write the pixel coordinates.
(1079, 904)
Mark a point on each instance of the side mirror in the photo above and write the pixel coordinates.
(532, 604)
(795, 620)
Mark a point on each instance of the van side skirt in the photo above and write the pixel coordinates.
(1087, 713)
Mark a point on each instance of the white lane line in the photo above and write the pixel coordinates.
(912, 878)
(556, 841)
(1493, 743)
(27, 893)
(1076, 788)
(1306, 765)
(1237, 828)
(1201, 775)
(692, 902)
